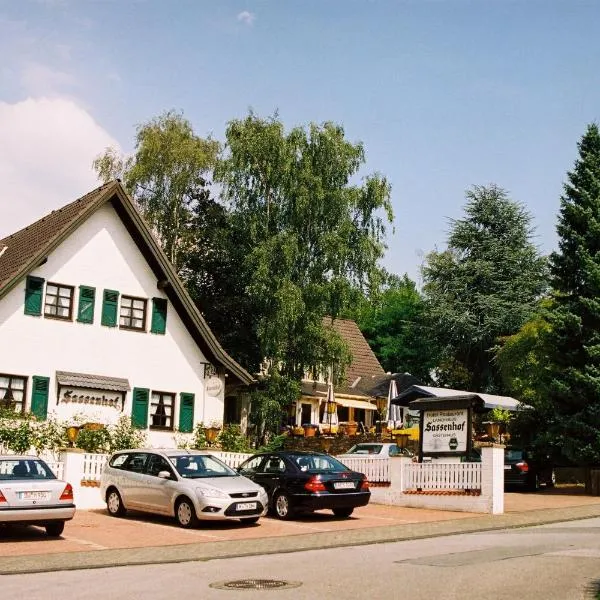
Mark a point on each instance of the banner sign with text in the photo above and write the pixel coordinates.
(445, 431)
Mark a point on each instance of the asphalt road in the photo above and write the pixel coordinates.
(551, 562)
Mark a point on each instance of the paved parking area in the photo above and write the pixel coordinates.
(95, 530)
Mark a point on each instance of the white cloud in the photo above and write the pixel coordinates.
(246, 17)
(46, 155)
(41, 80)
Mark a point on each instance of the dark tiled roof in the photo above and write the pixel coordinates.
(97, 382)
(33, 240)
(364, 362)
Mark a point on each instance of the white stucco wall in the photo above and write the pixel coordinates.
(102, 254)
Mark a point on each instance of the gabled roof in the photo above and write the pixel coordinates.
(364, 362)
(23, 251)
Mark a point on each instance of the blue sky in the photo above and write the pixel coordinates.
(444, 94)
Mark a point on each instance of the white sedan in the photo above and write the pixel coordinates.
(372, 450)
(31, 494)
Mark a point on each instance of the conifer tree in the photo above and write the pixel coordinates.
(574, 378)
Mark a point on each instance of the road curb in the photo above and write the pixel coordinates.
(98, 559)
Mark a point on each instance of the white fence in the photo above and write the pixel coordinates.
(376, 470)
(232, 459)
(442, 476)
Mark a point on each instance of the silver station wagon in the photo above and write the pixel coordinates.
(189, 485)
(30, 494)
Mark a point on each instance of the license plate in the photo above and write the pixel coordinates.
(344, 485)
(507, 467)
(246, 506)
(34, 495)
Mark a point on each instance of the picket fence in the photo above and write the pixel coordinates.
(442, 476)
(376, 470)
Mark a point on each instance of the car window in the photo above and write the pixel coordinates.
(118, 460)
(394, 450)
(514, 455)
(135, 462)
(317, 462)
(196, 466)
(156, 464)
(252, 465)
(274, 465)
(366, 449)
(13, 469)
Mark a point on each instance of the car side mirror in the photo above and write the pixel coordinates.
(164, 474)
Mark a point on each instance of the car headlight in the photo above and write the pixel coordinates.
(207, 492)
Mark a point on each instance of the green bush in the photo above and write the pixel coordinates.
(231, 439)
(199, 442)
(94, 440)
(124, 435)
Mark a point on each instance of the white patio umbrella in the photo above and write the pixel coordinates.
(394, 412)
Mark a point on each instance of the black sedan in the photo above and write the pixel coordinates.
(307, 481)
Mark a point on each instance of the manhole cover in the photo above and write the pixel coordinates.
(255, 584)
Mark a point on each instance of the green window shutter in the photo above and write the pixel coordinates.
(139, 410)
(87, 297)
(110, 305)
(34, 293)
(159, 315)
(186, 413)
(39, 397)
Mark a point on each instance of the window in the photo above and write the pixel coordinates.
(59, 301)
(156, 464)
(132, 314)
(13, 390)
(161, 410)
(15, 469)
(135, 462)
(252, 465)
(118, 461)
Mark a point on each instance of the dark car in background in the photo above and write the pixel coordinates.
(306, 481)
(524, 469)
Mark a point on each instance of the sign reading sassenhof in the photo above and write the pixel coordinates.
(445, 431)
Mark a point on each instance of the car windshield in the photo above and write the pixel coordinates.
(366, 449)
(317, 462)
(514, 455)
(196, 466)
(12, 469)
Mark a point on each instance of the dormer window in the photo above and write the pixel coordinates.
(58, 303)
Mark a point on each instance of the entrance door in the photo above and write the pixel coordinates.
(306, 417)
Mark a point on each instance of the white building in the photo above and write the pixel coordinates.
(94, 321)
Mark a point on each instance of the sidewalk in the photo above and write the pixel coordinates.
(522, 510)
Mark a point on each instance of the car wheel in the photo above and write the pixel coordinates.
(250, 520)
(343, 512)
(282, 506)
(114, 503)
(185, 513)
(55, 529)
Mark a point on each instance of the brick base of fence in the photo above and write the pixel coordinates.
(444, 492)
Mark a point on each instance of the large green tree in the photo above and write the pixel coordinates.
(395, 325)
(575, 318)
(484, 286)
(167, 175)
(308, 234)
